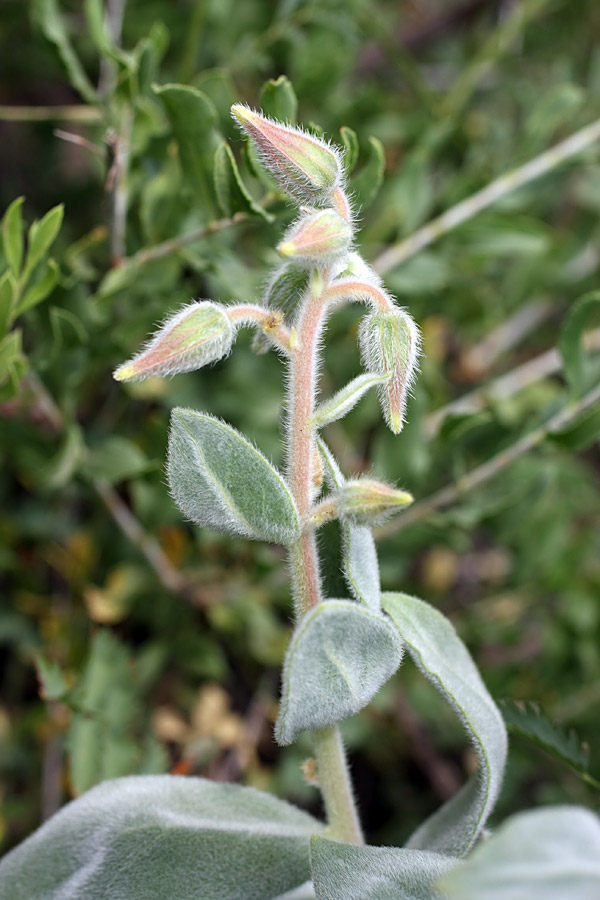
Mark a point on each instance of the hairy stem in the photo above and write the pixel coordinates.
(336, 787)
(332, 768)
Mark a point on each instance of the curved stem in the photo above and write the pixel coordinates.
(332, 768)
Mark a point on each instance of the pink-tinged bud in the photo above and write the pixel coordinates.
(321, 235)
(368, 502)
(389, 343)
(199, 334)
(305, 167)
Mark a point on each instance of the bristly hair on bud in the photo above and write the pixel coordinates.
(317, 236)
(198, 334)
(365, 501)
(307, 168)
(389, 342)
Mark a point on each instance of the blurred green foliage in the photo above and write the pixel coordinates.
(132, 642)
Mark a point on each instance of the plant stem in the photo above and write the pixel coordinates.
(494, 191)
(336, 787)
(332, 768)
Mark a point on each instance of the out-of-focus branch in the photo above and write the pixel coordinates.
(77, 113)
(453, 492)
(548, 363)
(174, 245)
(496, 190)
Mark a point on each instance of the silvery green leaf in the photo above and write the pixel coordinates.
(546, 854)
(359, 554)
(346, 872)
(339, 656)
(443, 658)
(346, 399)
(221, 481)
(304, 892)
(162, 836)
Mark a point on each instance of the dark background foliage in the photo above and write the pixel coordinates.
(131, 641)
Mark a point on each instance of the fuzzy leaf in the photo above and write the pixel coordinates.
(339, 656)
(359, 554)
(193, 119)
(154, 837)
(526, 718)
(346, 399)
(546, 854)
(445, 661)
(570, 343)
(232, 193)
(278, 99)
(42, 235)
(221, 481)
(346, 872)
(12, 235)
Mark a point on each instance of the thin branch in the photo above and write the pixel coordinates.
(481, 357)
(453, 492)
(79, 141)
(486, 197)
(77, 113)
(46, 409)
(548, 363)
(174, 245)
(168, 575)
(118, 180)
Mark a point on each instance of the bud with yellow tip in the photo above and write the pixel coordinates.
(199, 334)
(318, 236)
(389, 342)
(365, 501)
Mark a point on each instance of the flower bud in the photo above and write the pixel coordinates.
(368, 502)
(320, 235)
(305, 167)
(389, 343)
(199, 334)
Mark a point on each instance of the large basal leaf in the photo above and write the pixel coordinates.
(339, 656)
(221, 481)
(445, 661)
(546, 854)
(359, 554)
(163, 838)
(346, 872)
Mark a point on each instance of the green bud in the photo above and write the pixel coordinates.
(367, 502)
(199, 334)
(305, 167)
(389, 343)
(321, 235)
